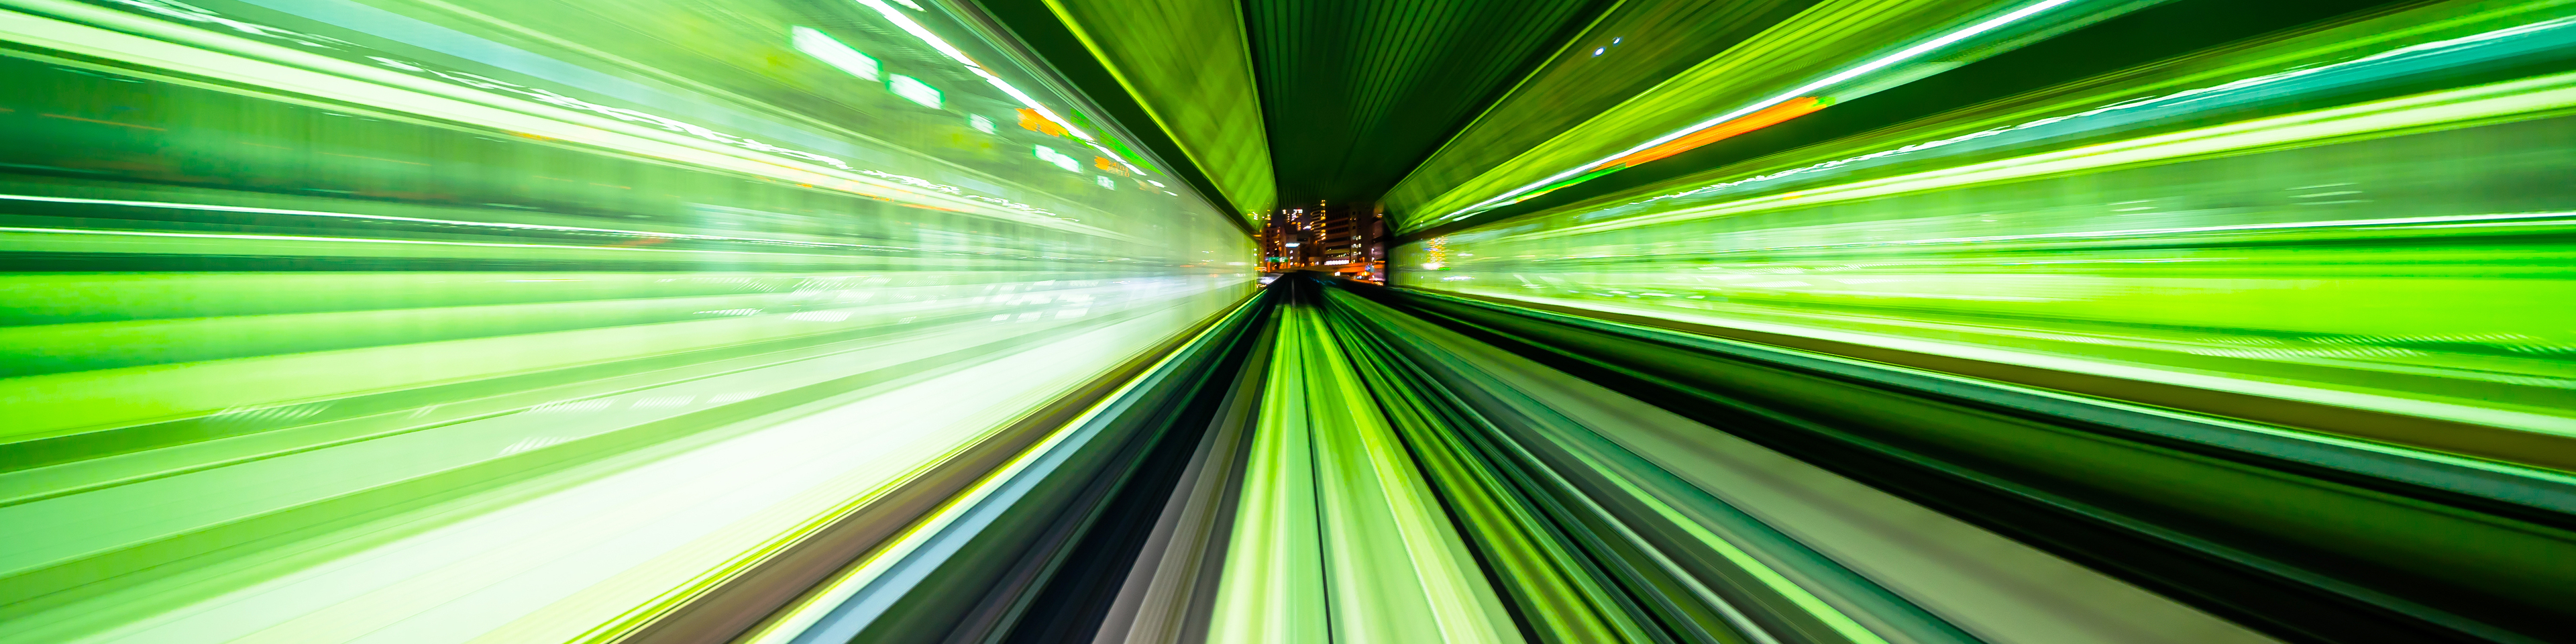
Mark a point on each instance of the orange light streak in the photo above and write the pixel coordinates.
(83, 120)
(1767, 117)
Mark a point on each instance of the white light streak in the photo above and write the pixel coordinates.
(423, 220)
(912, 89)
(832, 52)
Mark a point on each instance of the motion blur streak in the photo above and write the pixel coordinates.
(2270, 227)
(947, 322)
(332, 321)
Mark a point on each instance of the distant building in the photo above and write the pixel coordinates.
(1340, 238)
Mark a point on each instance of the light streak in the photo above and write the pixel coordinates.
(367, 240)
(467, 98)
(1773, 115)
(421, 220)
(1882, 62)
(2165, 101)
(795, 621)
(1767, 117)
(2466, 104)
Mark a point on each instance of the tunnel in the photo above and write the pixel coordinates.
(1287, 321)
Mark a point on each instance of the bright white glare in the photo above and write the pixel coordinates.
(1060, 160)
(1105, 182)
(824, 48)
(912, 89)
(1901, 56)
(984, 125)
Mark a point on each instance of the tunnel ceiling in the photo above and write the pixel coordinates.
(1351, 96)
(1357, 93)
